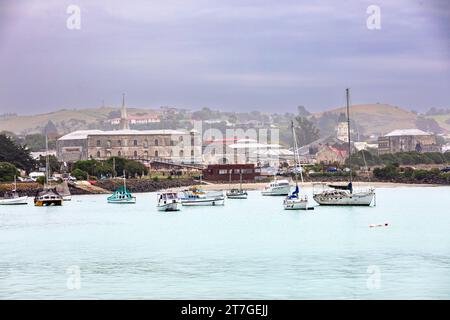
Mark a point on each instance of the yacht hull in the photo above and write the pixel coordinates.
(14, 201)
(174, 206)
(295, 204)
(279, 191)
(48, 203)
(203, 202)
(355, 199)
(123, 201)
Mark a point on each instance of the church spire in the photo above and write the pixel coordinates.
(123, 115)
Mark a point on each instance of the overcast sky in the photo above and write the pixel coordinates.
(223, 54)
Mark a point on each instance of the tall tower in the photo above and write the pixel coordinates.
(123, 116)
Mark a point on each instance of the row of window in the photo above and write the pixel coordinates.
(145, 155)
(135, 142)
(228, 171)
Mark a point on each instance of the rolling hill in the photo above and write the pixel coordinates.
(65, 120)
(378, 118)
(374, 119)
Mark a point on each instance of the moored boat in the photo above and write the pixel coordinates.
(277, 188)
(197, 197)
(122, 195)
(344, 195)
(236, 193)
(48, 196)
(13, 197)
(295, 201)
(168, 201)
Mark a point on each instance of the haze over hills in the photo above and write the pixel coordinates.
(375, 119)
(379, 118)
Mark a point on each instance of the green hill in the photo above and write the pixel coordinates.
(378, 118)
(65, 120)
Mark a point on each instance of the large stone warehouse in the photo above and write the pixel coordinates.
(179, 146)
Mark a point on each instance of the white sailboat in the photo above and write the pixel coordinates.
(295, 201)
(235, 193)
(13, 198)
(48, 196)
(344, 195)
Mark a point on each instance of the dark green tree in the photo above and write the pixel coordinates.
(16, 154)
(306, 131)
(7, 171)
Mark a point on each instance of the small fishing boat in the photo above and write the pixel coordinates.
(168, 201)
(197, 197)
(47, 196)
(277, 188)
(13, 198)
(295, 201)
(122, 195)
(236, 193)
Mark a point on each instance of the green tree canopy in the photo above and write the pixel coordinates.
(7, 171)
(16, 154)
(306, 131)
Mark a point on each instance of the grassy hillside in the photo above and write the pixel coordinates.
(66, 120)
(379, 118)
(442, 119)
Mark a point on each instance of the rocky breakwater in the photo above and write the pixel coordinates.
(143, 185)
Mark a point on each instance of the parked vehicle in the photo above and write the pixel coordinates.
(446, 169)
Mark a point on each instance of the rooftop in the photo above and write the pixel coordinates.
(83, 134)
(407, 132)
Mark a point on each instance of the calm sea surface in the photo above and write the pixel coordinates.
(246, 249)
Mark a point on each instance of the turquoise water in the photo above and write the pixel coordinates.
(246, 249)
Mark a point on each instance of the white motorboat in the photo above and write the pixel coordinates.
(13, 197)
(295, 201)
(277, 188)
(168, 201)
(198, 197)
(344, 195)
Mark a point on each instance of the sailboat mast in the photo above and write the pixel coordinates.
(240, 180)
(296, 158)
(347, 91)
(46, 160)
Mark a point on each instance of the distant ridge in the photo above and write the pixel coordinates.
(379, 118)
(375, 119)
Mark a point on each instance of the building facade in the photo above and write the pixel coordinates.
(331, 155)
(227, 172)
(178, 146)
(407, 140)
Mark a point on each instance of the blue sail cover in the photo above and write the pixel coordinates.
(295, 193)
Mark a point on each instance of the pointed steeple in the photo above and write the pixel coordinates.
(123, 115)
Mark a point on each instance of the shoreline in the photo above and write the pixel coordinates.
(142, 186)
(309, 185)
